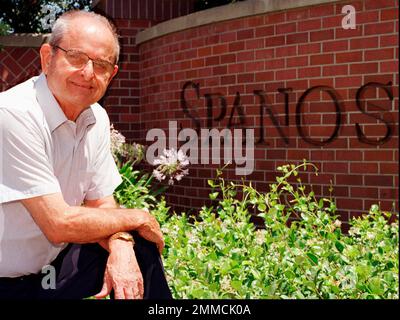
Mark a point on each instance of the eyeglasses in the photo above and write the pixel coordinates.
(80, 59)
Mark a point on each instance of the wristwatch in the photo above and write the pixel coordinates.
(122, 236)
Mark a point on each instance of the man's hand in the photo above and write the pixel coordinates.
(122, 272)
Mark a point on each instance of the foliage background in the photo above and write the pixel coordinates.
(301, 254)
(26, 16)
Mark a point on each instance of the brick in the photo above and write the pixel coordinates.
(264, 76)
(352, 56)
(274, 18)
(210, 61)
(206, 51)
(220, 70)
(379, 28)
(265, 31)
(309, 48)
(254, 21)
(335, 70)
(236, 46)
(297, 38)
(363, 167)
(380, 54)
(322, 35)
(349, 203)
(274, 41)
(296, 61)
(245, 77)
(377, 4)
(350, 155)
(286, 74)
(363, 68)
(389, 168)
(286, 51)
(390, 14)
(374, 180)
(332, 22)
(245, 34)
(306, 25)
(321, 59)
(245, 56)
(274, 64)
(254, 66)
(378, 155)
(228, 58)
(264, 53)
(228, 37)
(364, 43)
(339, 45)
(341, 33)
(309, 72)
(219, 49)
(286, 28)
(364, 17)
(389, 66)
(364, 192)
(389, 41)
(386, 193)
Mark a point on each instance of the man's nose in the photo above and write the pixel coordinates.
(87, 70)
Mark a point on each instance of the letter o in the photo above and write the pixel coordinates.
(336, 100)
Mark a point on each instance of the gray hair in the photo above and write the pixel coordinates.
(63, 23)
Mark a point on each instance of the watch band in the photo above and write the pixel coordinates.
(122, 236)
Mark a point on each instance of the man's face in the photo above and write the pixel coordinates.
(76, 87)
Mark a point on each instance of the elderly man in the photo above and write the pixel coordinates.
(57, 177)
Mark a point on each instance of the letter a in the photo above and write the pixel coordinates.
(49, 281)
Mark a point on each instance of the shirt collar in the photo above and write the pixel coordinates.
(52, 110)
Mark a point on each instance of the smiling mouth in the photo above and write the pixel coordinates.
(82, 85)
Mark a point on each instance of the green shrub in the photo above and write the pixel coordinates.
(220, 254)
(25, 16)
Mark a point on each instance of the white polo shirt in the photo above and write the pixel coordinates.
(42, 152)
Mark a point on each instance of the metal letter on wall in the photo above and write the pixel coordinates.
(336, 100)
(389, 91)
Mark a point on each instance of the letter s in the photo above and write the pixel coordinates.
(388, 90)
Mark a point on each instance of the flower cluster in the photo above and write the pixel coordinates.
(171, 164)
(124, 152)
(117, 142)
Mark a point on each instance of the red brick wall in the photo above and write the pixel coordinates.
(298, 48)
(17, 65)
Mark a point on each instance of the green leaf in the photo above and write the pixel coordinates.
(339, 246)
(312, 257)
(211, 183)
(214, 195)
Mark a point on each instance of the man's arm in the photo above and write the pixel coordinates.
(63, 223)
(104, 203)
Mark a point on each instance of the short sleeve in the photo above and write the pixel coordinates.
(106, 178)
(25, 168)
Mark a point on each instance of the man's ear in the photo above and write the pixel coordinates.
(114, 73)
(46, 55)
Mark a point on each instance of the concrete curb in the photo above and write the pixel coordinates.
(222, 13)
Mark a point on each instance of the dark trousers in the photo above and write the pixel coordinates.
(79, 271)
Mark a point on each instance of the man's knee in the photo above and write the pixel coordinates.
(145, 248)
